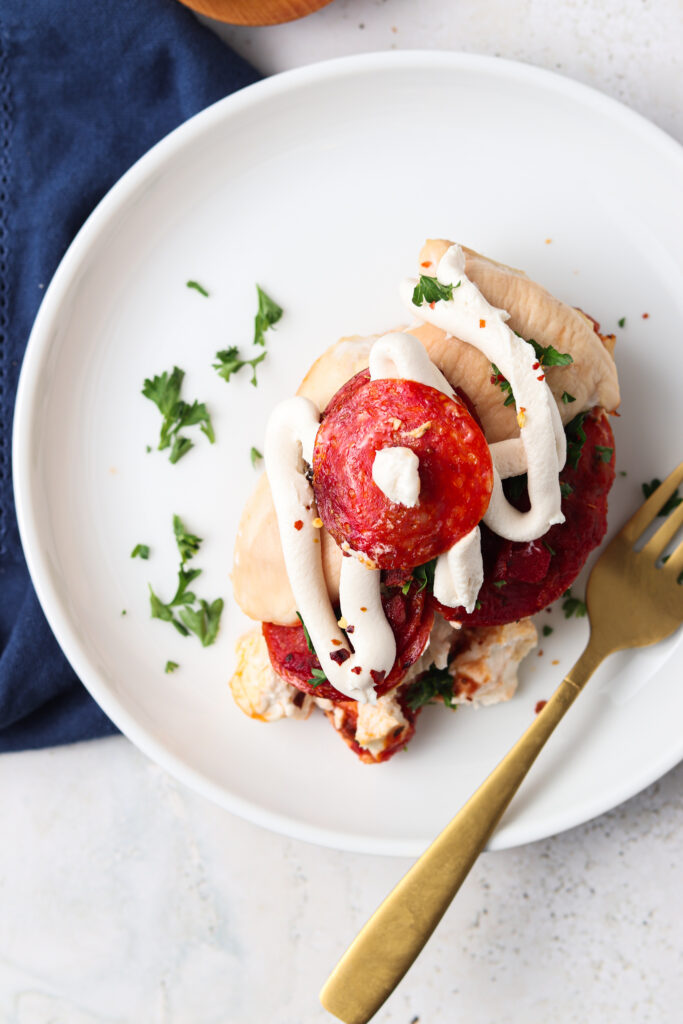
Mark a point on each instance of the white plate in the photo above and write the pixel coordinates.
(321, 184)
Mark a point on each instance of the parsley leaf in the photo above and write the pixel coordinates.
(198, 288)
(503, 383)
(202, 621)
(255, 456)
(432, 684)
(673, 502)
(604, 453)
(229, 362)
(307, 635)
(547, 630)
(318, 677)
(188, 543)
(268, 314)
(164, 391)
(428, 289)
(622, 321)
(140, 551)
(171, 666)
(565, 489)
(567, 398)
(576, 438)
(549, 356)
(573, 606)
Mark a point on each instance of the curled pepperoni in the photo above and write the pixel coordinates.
(522, 578)
(410, 616)
(347, 723)
(455, 470)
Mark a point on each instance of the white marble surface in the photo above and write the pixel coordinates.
(127, 899)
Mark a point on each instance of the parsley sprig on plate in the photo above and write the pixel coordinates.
(229, 360)
(185, 611)
(164, 391)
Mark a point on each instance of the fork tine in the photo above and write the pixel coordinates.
(647, 512)
(674, 563)
(672, 524)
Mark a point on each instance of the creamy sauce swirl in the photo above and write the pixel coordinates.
(540, 451)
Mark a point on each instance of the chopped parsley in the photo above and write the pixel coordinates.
(435, 683)
(428, 290)
(565, 489)
(185, 611)
(546, 355)
(140, 551)
(318, 677)
(198, 288)
(164, 391)
(622, 321)
(171, 666)
(573, 605)
(547, 547)
(229, 362)
(255, 456)
(503, 383)
(576, 438)
(673, 502)
(547, 630)
(188, 543)
(422, 574)
(604, 453)
(549, 356)
(268, 314)
(500, 583)
(307, 635)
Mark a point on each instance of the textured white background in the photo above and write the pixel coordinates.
(127, 899)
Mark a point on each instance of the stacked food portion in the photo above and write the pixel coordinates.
(425, 493)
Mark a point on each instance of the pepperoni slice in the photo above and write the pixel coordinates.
(521, 579)
(455, 470)
(348, 724)
(410, 616)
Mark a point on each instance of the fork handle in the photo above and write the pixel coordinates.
(386, 947)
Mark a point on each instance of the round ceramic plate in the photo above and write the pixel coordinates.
(320, 184)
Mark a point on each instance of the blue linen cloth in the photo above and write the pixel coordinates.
(85, 89)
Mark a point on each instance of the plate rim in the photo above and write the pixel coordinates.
(106, 210)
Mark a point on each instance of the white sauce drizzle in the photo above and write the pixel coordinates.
(540, 451)
(290, 437)
(396, 471)
(471, 318)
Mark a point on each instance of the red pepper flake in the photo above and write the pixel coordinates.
(431, 305)
(542, 377)
(646, 316)
(363, 609)
(540, 704)
(482, 323)
(377, 677)
(337, 643)
(299, 524)
(350, 629)
(340, 656)
(540, 653)
(427, 263)
(535, 366)
(555, 661)
(357, 669)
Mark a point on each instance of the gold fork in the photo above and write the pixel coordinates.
(633, 600)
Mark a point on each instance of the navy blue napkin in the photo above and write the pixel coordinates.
(85, 89)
